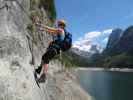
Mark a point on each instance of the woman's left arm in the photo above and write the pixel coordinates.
(51, 30)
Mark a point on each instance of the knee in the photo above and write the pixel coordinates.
(49, 55)
(45, 58)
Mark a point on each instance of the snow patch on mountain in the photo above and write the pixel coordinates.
(93, 42)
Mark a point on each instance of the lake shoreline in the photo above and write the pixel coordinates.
(106, 69)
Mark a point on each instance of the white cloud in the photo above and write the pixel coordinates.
(91, 35)
(107, 31)
(92, 38)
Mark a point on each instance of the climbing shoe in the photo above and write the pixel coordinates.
(42, 78)
(38, 70)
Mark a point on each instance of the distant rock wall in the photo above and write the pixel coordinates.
(114, 37)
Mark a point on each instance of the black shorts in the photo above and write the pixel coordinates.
(51, 52)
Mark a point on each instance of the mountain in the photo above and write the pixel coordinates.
(91, 43)
(119, 50)
(122, 44)
(87, 54)
(85, 47)
(114, 37)
(95, 49)
(80, 52)
(117, 53)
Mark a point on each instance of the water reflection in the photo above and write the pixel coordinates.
(106, 85)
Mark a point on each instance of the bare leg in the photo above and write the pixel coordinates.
(45, 61)
(45, 68)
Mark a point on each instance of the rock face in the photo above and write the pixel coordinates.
(94, 49)
(122, 42)
(16, 77)
(125, 42)
(19, 48)
(114, 37)
(119, 51)
(87, 54)
(80, 52)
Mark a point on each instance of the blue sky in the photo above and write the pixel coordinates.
(85, 16)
